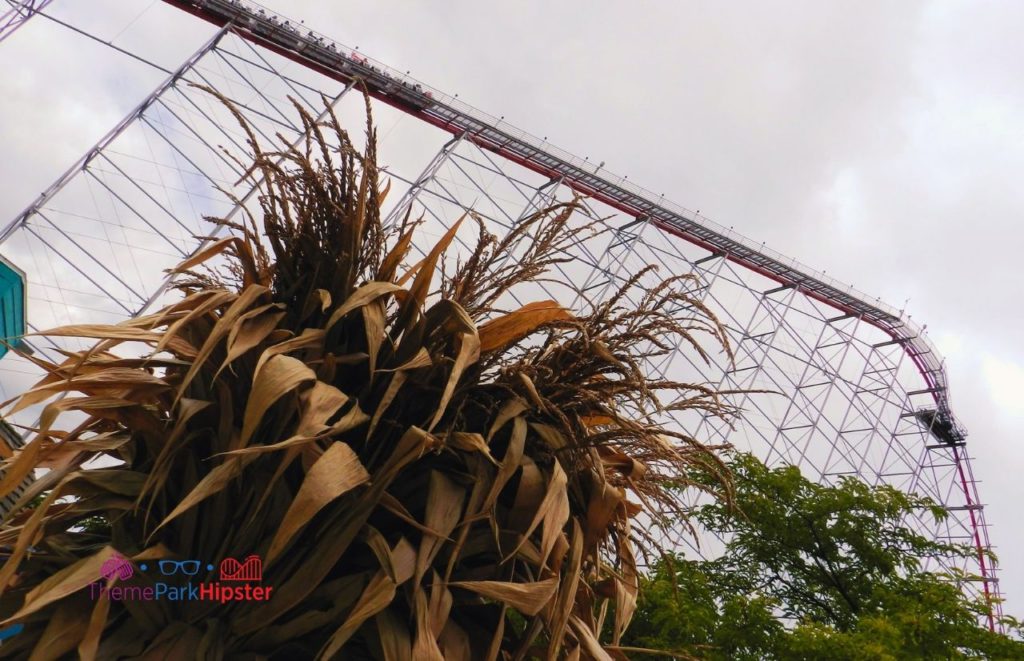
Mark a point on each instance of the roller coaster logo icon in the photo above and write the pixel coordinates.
(250, 569)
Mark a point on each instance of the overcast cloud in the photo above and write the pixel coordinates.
(882, 142)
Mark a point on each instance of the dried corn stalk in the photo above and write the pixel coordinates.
(423, 474)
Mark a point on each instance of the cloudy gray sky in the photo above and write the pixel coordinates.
(881, 142)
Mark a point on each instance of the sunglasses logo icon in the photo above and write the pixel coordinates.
(187, 567)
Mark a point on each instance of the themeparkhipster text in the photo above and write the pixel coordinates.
(234, 584)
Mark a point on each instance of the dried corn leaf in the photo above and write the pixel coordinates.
(251, 329)
(319, 404)
(97, 622)
(337, 537)
(471, 442)
(375, 598)
(455, 643)
(26, 537)
(445, 500)
(394, 636)
(421, 285)
(527, 598)
(374, 322)
(113, 480)
(66, 581)
(553, 512)
(394, 385)
(588, 641)
(220, 329)
(509, 410)
(336, 472)
(439, 606)
(514, 326)
(562, 606)
(278, 376)
(624, 463)
(310, 337)
(597, 420)
(425, 646)
(86, 404)
(511, 461)
(58, 454)
(24, 462)
(360, 297)
(403, 561)
(125, 333)
(469, 351)
(627, 587)
(112, 381)
(201, 307)
(214, 481)
(552, 436)
(325, 299)
(390, 263)
(352, 419)
(209, 252)
(63, 632)
(601, 511)
(421, 359)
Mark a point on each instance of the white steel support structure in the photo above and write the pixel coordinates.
(14, 13)
(864, 392)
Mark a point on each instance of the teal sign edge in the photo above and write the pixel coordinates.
(12, 305)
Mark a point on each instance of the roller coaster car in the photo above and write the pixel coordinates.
(260, 28)
(939, 425)
(327, 56)
(410, 93)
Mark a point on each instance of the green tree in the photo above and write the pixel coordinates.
(813, 571)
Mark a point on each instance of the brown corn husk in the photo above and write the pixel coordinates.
(424, 473)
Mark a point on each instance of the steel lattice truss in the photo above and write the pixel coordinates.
(852, 394)
(16, 12)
